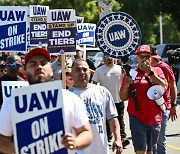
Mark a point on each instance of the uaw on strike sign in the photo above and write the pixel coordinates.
(13, 28)
(61, 26)
(118, 34)
(38, 119)
(86, 34)
(7, 87)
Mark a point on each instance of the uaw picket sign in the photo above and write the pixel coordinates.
(118, 34)
(13, 28)
(38, 119)
(86, 34)
(61, 26)
(7, 87)
(79, 19)
(38, 25)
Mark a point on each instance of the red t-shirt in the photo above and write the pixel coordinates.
(150, 113)
(169, 75)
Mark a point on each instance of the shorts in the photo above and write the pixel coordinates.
(144, 137)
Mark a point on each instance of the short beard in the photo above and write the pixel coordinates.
(39, 80)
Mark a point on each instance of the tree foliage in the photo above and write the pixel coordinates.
(145, 12)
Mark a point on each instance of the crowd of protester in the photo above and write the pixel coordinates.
(114, 87)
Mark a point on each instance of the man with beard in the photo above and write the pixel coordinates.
(13, 65)
(110, 76)
(38, 70)
(146, 119)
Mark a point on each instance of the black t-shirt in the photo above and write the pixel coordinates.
(7, 78)
(91, 64)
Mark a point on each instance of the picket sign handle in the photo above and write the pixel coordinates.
(84, 51)
(63, 57)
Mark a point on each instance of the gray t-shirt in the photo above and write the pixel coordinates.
(99, 107)
(56, 66)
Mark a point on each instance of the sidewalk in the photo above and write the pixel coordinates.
(173, 134)
(129, 148)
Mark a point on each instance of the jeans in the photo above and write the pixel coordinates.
(144, 137)
(160, 147)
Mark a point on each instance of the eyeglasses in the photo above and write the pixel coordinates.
(14, 64)
(142, 57)
(3, 70)
(68, 74)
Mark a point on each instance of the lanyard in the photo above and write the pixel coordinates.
(146, 77)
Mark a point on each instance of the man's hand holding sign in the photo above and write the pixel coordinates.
(37, 116)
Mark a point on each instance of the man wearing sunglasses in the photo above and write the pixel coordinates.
(145, 122)
(13, 65)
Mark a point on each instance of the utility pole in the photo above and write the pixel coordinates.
(103, 8)
(161, 26)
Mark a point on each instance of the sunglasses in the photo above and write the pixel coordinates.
(68, 74)
(3, 70)
(142, 57)
(14, 64)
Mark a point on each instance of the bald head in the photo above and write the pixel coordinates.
(13, 58)
(80, 73)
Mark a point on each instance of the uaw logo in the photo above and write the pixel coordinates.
(118, 34)
(61, 52)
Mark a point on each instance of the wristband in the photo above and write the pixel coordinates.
(173, 104)
(151, 73)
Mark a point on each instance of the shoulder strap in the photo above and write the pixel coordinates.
(146, 77)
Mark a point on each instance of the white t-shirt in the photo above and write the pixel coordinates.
(57, 69)
(74, 110)
(99, 105)
(111, 78)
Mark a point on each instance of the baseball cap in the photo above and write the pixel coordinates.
(143, 49)
(156, 57)
(37, 51)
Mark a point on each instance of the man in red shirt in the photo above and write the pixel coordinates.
(170, 98)
(144, 123)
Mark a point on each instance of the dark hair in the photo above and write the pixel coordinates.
(153, 49)
(2, 66)
(21, 54)
(76, 61)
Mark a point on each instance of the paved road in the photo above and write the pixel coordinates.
(173, 135)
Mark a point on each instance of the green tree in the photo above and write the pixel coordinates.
(147, 13)
(170, 30)
(86, 8)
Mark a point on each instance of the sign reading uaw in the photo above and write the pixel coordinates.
(118, 34)
(13, 28)
(38, 119)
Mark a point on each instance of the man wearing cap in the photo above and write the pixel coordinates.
(38, 69)
(145, 121)
(170, 97)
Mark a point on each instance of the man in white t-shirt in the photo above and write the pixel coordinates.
(99, 107)
(38, 69)
(110, 76)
